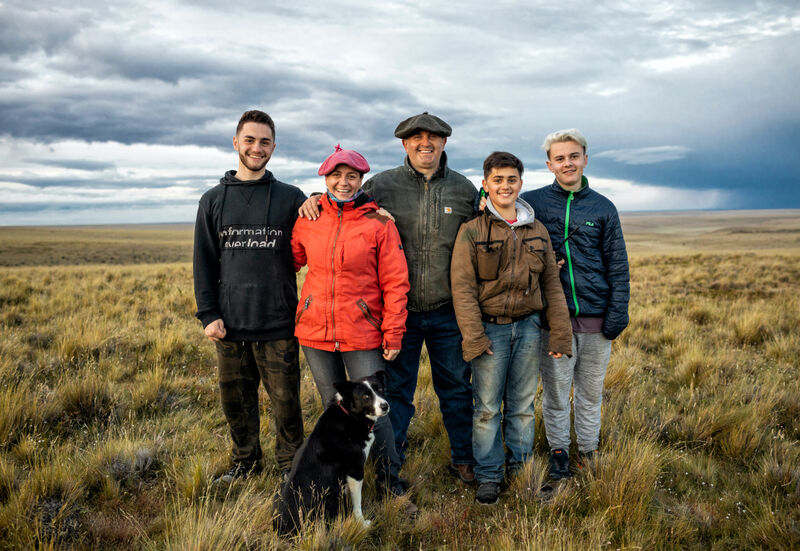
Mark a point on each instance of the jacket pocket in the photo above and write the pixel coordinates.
(375, 322)
(488, 257)
(534, 253)
(306, 304)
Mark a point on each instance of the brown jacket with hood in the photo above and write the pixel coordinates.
(505, 272)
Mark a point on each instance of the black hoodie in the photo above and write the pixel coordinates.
(243, 269)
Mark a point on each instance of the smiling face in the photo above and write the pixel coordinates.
(567, 161)
(343, 182)
(503, 185)
(425, 151)
(255, 145)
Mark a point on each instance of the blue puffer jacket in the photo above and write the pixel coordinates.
(595, 276)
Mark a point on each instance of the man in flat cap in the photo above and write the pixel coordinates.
(429, 202)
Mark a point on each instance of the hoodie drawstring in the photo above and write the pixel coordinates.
(266, 213)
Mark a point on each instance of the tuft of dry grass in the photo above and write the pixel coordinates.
(624, 488)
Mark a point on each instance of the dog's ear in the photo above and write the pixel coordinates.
(345, 388)
(383, 377)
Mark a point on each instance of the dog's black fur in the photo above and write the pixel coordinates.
(333, 455)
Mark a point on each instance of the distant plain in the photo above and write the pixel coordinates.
(685, 232)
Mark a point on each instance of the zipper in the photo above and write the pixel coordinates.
(368, 314)
(424, 232)
(513, 263)
(569, 256)
(306, 304)
(333, 277)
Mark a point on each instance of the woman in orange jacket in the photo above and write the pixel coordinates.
(352, 311)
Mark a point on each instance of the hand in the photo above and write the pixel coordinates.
(383, 212)
(310, 208)
(215, 330)
(489, 351)
(556, 355)
(561, 263)
(482, 203)
(390, 355)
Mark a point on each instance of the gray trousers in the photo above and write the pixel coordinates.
(585, 371)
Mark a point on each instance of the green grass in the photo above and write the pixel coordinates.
(111, 431)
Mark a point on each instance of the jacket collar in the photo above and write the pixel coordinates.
(363, 201)
(584, 186)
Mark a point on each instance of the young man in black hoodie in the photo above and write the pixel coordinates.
(246, 295)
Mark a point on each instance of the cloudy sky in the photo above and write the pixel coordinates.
(124, 111)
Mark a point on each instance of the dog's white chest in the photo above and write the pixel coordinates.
(368, 445)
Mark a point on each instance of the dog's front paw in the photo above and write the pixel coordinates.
(365, 523)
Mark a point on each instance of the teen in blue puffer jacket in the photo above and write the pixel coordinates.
(585, 230)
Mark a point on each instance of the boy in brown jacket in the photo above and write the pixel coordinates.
(504, 278)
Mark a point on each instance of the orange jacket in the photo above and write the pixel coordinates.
(354, 295)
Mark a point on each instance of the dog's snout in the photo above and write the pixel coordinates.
(384, 406)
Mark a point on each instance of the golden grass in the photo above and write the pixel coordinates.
(111, 432)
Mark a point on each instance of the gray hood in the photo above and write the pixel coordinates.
(524, 212)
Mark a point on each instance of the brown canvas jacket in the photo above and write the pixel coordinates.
(507, 272)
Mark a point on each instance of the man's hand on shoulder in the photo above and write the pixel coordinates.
(310, 208)
(215, 330)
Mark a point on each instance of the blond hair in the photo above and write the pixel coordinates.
(568, 135)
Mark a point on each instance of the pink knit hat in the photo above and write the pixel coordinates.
(347, 157)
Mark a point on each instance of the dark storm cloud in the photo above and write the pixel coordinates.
(24, 28)
(149, 112)
(148, 96)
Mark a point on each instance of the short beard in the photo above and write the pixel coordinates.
(246, 162)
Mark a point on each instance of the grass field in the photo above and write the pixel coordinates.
(111, 431)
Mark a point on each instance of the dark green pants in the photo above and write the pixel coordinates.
(275, 363)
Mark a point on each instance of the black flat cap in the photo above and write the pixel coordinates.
(423, 121)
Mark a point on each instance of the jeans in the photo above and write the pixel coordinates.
(585, 371)
(509, 376)
(242, 366)
(450, 375)
(328, 368)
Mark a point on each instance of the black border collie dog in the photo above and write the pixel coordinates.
(333, 455)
